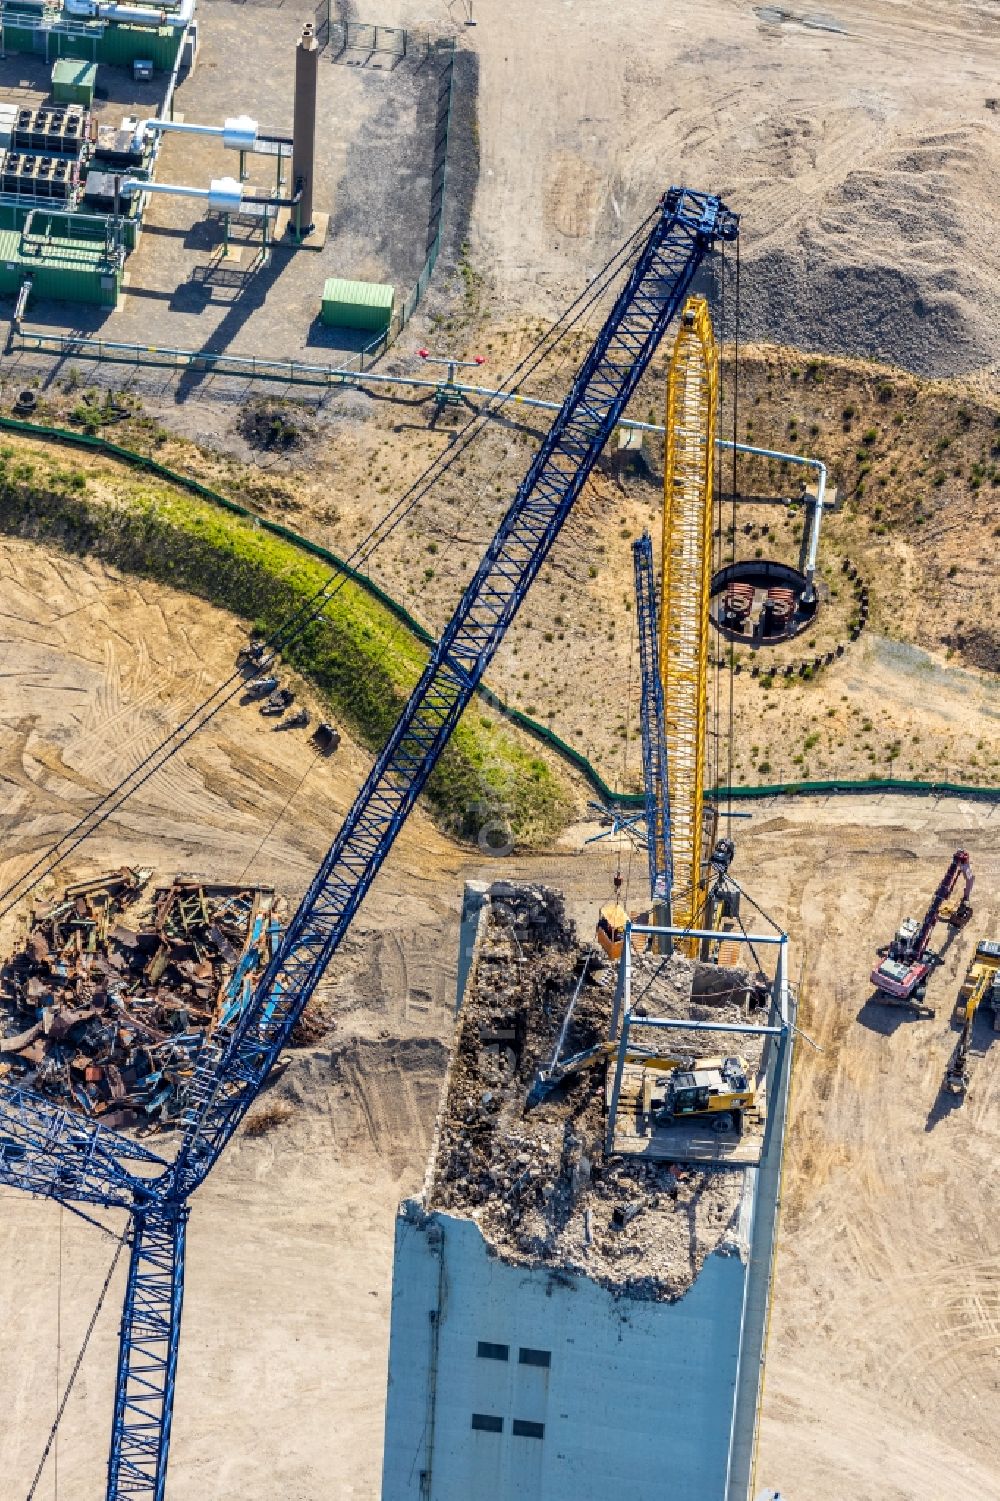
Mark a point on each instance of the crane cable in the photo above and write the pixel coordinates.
(280, 815)
(53, 1431)
(290, 629)
(716, 460)
(692, 926)
(650, 833)
(295, 624)
(736, 403)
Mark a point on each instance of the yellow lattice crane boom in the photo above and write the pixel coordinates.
(692, 391)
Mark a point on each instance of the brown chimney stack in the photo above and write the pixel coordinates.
(304, 125)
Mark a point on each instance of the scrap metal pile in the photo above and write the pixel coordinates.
(109, 1000)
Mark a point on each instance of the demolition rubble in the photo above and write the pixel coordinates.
(537, 1180)
(115, 989)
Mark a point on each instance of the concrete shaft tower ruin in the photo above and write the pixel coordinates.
(572, 1323)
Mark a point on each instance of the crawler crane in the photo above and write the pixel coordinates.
(673, 649)
(686, 580)
(48, 1152)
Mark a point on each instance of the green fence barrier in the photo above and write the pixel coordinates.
(845, 784)
(96, 444)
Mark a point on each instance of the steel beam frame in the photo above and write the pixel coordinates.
(48, 1150)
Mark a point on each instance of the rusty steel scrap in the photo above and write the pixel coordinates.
(114, 991)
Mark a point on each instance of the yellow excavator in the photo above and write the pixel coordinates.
(981, 984)
(717, 1090)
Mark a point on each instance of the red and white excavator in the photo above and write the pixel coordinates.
(901, 978)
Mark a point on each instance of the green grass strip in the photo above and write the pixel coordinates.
(360, 654)
(96, 444)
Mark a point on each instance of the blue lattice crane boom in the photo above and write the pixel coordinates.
(685, 230)
(654, 735)
(234, 1066)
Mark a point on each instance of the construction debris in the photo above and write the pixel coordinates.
(254, 657)
(538, 1182)
(108, 1002)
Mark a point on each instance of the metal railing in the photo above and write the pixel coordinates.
(160, 356)
(369, 42)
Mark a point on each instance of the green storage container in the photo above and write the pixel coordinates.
(11, 271)
(61, 270)
(121, 45)
(357, 304)
(18, 39)
(83, 45)
(73, 81)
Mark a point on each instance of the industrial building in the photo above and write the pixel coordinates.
(66, 227)
(579, 1296)
(76, 173)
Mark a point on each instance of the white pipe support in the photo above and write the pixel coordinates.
(224, 194)
(177, 18)
(168, 189)
(239, 133)
(155, 126)
(179, 127)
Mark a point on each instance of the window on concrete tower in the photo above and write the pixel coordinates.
(523, 1429)
(487, 1423)
(535, 1357)
(487, 1351)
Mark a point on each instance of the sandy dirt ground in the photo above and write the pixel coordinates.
(882, 1371)
(859, 146)
(882, 1376)
(856, 138)
(859, 141)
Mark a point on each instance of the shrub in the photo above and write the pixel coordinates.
(266, 1117)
